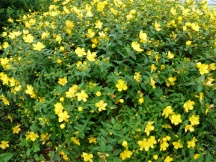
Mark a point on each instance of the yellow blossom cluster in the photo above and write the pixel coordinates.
(116, 76)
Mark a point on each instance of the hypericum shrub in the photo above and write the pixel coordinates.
(111, 81)
(14, 9)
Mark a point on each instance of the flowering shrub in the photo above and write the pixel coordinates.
(111, 81)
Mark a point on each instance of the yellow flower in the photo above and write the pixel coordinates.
(4, 144)
(101, 105)
(168, 159)
(157, 26)
(10, 118)
(203, 68)
(152, 83)
(62, 81)
(155, 157)
(189, 127)
(144, 144)
(196, 156)
(32, 136)
(212, 66)
(29, 90)
(189, 105)
(125, 144)
(157, 58)
(5, 45)
(173, 11)
(125, 154)
(177, 144)
(121, 85)
(143, 37)
(28, 38)
(13, 82)
(58, 108)
(38, 46)
(59, 61)
(16, 129)
(71, 92)
(101, 5)
(147, 143)
(163, 145)
(61, 99)
(92, 140)
(194, 119)
(192, 143)
(87, 157)
(209, 81)
(58, 39)
(188, 43)
(63, 116)
(44, 137)
(153, 67)
(4, 77)
(137, 76)
(90, 34)
(102, 35)
(167, 111)
(121, 100)
(195, 27)
(62, 126)
(185, 11)
(152, 141)
(4, 34)
(129, 16)
(64, 156)
(45, 34)
(4, 99)
(91, 56)
(166, 126)
(141, 100)
(176, 119)
(4, 62)
(80, 51)
(132, 12)
(80, 109)
(98, 24)
(136, 46)
(76, 141)
(149, 128)
(98, 93)
(82, 96)
(69, 24)
(170, 81)
(66, 10)
(170, 55)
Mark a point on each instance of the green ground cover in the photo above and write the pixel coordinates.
(137, 84)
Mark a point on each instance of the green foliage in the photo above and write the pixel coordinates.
(5, 157)
(16, 8)
(136, 84)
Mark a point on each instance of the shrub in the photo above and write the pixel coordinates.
(111, 81)
(16, 8)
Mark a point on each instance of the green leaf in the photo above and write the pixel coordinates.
(209, 158)
(199, 88)
(52, 154)
(109, 148)
(103, 146)
(113, 121)
(36, 147)
(103, 132)
(5, 157)
(117, 160)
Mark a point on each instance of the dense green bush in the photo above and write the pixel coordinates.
(111, 81)
(16, 8)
